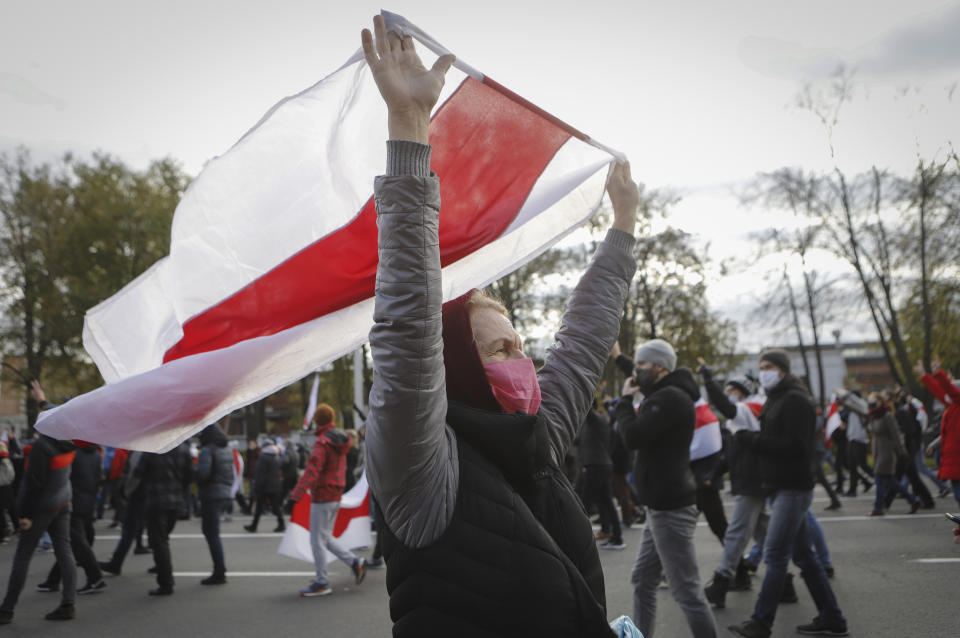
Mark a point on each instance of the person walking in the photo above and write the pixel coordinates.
(594, 456)
(942, 387)
(858, 439)
(268, 487)
(888, 448)
(784, 445)
(164, 477)
(215, 480)
(325, 478)
(7, 475)
(84, 480)
(661, 431)
(134, 516)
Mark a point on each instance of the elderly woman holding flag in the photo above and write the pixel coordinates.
(482, 534)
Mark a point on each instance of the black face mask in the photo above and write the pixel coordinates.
(644, 378)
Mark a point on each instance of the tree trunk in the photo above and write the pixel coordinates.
(796, 326)
(815, 327)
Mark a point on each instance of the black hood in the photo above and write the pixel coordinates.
(58, 446)
(213, 435)
(680, 378)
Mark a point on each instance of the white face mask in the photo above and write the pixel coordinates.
(769, 379)
(733, 397)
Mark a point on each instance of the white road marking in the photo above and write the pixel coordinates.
(936, 560)
(247, 574)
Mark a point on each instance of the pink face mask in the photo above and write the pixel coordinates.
(514, 384)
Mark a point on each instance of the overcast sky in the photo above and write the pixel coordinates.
(698, 94)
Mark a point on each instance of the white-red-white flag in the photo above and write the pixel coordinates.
(833, 419)
(273, 252)
(706, 434)
(351, 527)
(237, 484)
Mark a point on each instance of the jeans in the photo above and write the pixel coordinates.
(596, 488)
(887, 487)
(926, 471)
(820, 548)
(956, 490)
(58, 524)
(748, 520)
(80, 545)
(667, 547)
(160, 523)
(322, 517)
(210, 509)
(788, 535)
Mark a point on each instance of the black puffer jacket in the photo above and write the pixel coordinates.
(45, 486)
(785, 440)
(85, 479)
(215, 465)
(594, 441)
(165, 477)
(268, 478)
(661, 432)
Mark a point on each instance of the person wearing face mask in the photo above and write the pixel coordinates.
(482, 532)
(784, 446)
(661, 430)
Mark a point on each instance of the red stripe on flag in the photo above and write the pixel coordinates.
(347, 514)
(489, 152)
(705, 415)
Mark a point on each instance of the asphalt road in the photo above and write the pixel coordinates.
(896, 576)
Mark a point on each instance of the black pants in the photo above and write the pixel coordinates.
(160, 522)
(133, 524)
(840, 459)
(710, 503)
(8, 508)
(274, 500)
(210, 510)
(908, 468)
(596, 489)
(822, 480)
(857, 458)
(58, 525)
(81, 537)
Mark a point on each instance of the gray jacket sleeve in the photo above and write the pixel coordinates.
(573, 365)
(411, 454)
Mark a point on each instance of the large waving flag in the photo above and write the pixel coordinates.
(706, 434)
(273, 251)
(351, 527)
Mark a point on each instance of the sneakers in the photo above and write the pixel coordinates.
(613, 544)
(789, 594)
(47, 587)
(820, 628)
(93, 588)
(161, 591)
(359, 571)
(373, 563)
(316, 589)
(914, 507)
(63, 612)
(866, 488)
(944, 491)
(109, 568)
(750, 629)
(716, 591)
(749, 565)
(214, 579)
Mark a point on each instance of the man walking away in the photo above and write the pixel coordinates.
(268, 486)
(164, 477)
(214, 481)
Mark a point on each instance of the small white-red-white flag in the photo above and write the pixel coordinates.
(351, 527)
(706, 434)
(833, 419)
(312, 405)
(273, 254)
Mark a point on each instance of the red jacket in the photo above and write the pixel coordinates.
(326, 471)
(945, 392)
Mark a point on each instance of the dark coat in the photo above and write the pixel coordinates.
(85, 479)
(742, 462)
(785, 440)
(45, 486)
(165, 477)
(594, 441)
(215, 465)
(268, 478)
(661, 432)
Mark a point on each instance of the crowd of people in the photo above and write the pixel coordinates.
(484, 470)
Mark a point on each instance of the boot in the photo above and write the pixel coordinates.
(741, 582)
(716, 591)
(789, 591)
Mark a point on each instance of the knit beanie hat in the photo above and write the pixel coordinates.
(741, 384)
(659, 352)
(778, 358)
(467, 382)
